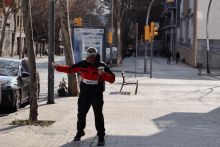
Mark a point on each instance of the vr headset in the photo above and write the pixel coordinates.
(87, 54)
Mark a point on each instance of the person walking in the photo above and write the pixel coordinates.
(168, 55)
(91, 90)
(155, 53)
(177, 57)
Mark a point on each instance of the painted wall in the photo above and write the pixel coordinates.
(214, 53)
(214, 19)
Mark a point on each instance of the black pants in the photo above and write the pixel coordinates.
(168, 60)
(90, 95)
(177, 59)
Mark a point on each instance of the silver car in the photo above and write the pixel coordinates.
(15, 81)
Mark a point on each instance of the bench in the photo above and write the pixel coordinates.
(128, 82)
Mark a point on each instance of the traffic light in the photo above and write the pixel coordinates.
(78, 21)
(147, 32)
(153, 30)
(110, 37)
(170, 1)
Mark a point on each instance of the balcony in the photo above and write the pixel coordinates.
(168, 23)
(169, 7)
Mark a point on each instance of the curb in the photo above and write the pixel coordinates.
(211, 75)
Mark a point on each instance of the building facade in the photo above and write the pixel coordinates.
(9, 31)
(189, 35)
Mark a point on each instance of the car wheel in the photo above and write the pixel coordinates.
(17, 99)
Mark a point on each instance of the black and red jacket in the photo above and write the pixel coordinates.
(89, 71)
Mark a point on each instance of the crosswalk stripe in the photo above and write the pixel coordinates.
(211, 78)
(217, 77)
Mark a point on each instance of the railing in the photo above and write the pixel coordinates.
(169, 23)
(186, 45)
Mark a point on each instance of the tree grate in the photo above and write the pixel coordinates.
(122, 93)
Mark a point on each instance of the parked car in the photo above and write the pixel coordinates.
(15, 81)
(107, 55)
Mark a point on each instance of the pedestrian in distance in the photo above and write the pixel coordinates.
(94, 73)
(160, 53)
(168, 55)
(177, 56)
(155, 53)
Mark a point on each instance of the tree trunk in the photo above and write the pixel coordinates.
(13, 36)
(24, 49)
(3, 33)
(31, 59)
(37, 40)
(68, 49)
(119, 60)
(45, 38)
(40, 41)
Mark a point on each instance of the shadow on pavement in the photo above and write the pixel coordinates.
(176, 129)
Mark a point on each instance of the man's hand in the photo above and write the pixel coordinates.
(54, 65)
(101, 72)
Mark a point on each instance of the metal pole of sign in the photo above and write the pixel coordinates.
(207, 35)
(51, 54)
(145, 56)
(112, 34)
(136, 30)
(151, 54)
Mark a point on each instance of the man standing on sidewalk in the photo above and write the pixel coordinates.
(91, 90)
(177, 57)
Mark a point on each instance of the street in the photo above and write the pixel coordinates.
(176, 108)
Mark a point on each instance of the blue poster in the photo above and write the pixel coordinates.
(85, 38)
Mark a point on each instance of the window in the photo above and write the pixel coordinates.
(183, 15)
(189, 11)
(25, 67)
(192, 20)
(192, 15)
(8, 24)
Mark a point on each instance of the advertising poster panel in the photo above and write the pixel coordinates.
(83, 38)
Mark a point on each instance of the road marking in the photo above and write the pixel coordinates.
(218, 77)
(211, 78)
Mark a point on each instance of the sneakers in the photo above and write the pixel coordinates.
(78, 136)
(101, 141)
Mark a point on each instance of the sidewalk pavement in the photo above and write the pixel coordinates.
(175, 108)
(26, 58)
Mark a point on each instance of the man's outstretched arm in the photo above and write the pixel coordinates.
(68, 68)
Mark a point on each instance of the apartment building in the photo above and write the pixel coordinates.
(170, 23)
(9, 32)
(188, 35)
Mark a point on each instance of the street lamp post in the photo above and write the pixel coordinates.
(145, 57)
(207, 36)
(51, 55)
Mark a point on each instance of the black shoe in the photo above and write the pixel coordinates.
(101, 141)
(78, 136)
